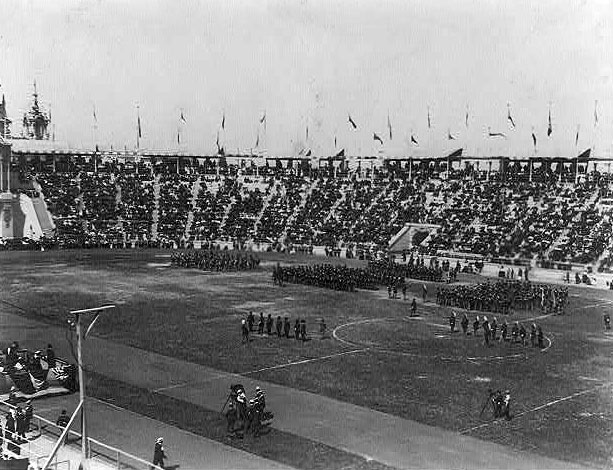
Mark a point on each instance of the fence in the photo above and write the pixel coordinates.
(107, 456)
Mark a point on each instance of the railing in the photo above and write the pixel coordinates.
(108, 455)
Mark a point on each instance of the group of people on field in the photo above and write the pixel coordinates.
(281, 328)
(246, 416)
(215, 260)
(515, 334)
(504, 296)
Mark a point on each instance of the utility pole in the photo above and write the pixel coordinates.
(80, 337)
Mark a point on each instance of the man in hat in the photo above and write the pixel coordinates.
(158, 452)
(50, 356)
(464, 323)
(279, 326)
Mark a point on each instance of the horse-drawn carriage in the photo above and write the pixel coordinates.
(244, 416)
(31, 374)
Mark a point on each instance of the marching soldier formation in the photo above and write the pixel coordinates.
(504, 297)
(215, 260)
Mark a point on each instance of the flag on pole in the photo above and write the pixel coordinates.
(429, 123)
(534, 140)
(595, 113)
(389, 125)
(449, 135)
(577, 136)
(341, 153)
(309, 153)
(549, 128)
(257, 140)
(223, 121)
(376, 137)
(95, 117)
(307, 132)
(509, 118)
(414, 141)
(334, 141)
(495, 134)
(352, 122)
(140, 132)
(182, 118)
(263, 118)
(466, 117)
(178, 137)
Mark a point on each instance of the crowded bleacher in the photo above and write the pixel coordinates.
(552, 220)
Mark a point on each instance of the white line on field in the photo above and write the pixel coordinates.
(305, 361)
(538, 408)
(600, 304)
(225, 375)
(170, 387)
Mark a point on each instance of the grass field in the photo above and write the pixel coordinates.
(410, 367)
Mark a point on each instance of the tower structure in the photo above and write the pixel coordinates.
(5, 122)
(36, 121)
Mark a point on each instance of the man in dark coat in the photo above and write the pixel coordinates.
(279, 325)
(261, 324)
(158, 452)
(269, 323)
(286, 327)
(297, 329)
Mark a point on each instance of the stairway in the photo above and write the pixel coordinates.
(297, 209)
(190, 214)
(273, 192)
(156, 211)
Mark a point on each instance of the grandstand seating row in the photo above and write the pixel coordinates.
(551, 219)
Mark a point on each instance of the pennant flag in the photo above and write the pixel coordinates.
(352, 122)
(595, 113)
(577, 136)
(376, 137)
(263, 118)
(466, 117)
(449, 136)
(217, 142)
(389, 126)
(495, 134)
(414, 140)
(309, 153)
(549, 128)
(307, 132)
(585, 154)
(429, 124)
(456, 153)
(178, 137)
(182, 118)
(341, 153)
(509, 118)
(257, 141)
(223, 121)
(334, 141)
(140, 132)
(534, 140)
(95, 117)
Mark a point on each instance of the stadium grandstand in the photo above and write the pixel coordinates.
(552, 211)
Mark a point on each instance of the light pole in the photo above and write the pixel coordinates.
(80, 337)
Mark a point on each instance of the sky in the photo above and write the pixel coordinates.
(312, 63)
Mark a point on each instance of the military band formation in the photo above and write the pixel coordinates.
(215, 260)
